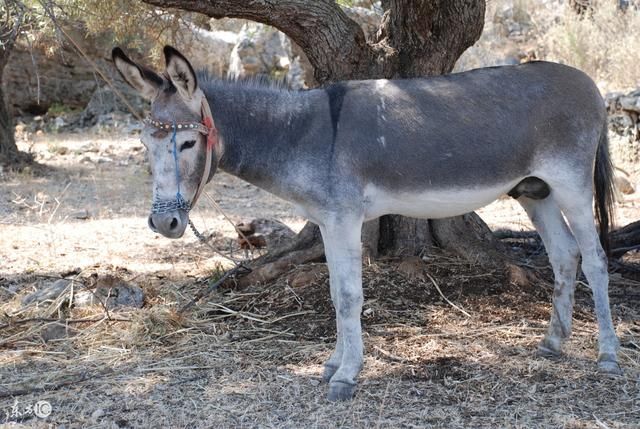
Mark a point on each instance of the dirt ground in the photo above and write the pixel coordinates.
(253, 357)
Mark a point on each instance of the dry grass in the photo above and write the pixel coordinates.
(606, 45)
(252, 357)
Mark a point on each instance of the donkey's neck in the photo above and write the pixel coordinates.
(258, 126)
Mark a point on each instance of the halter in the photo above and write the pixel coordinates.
(206, 127)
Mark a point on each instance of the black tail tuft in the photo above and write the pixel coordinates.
(604, 189)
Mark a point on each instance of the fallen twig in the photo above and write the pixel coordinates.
(27, 387)
(460, 309)
(63, 321)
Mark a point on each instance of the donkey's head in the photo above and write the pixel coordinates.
(179, 135)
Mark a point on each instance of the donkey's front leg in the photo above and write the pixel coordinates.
(344, 256)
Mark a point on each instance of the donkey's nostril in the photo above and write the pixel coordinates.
(174, 223)
(151, 224)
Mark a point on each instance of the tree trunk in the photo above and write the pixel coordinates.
(415, 38)
(8, 148)
(9, 28)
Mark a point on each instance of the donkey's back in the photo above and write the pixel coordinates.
(479, 128)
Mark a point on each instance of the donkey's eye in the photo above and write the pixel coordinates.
(187, 145)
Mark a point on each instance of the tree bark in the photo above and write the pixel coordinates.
(8, 148)
(11, 21)
(415, 38)
(625, 239)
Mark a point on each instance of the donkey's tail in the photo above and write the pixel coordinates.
(604, 189)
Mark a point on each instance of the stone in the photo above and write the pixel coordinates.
(261, 51)
(35, 78)
(81, 214)
(625, 152)
(49, 292)
(233, 25)
(56, 331)
(623, 184)
(630, 103)
(208, 50)
(620, 121)
(112, 292)
(104, 102)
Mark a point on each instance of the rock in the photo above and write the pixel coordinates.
(82, 214)
(619, 101)
(58, 122)
(620, 122)
(104, 102)
(56, 331)
(261, 51)
(232, 25)
(110, 290)
(48, 292)
(113, 292)
(103, 160)
(209, 50)
(625, 152)
(622, 182)
(630, 103)
(611, 101)
(35, 78)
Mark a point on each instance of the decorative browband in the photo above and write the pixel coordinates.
(179, 126)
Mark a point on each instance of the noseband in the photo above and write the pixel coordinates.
(206, 127)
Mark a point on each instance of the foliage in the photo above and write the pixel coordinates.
(605, 44)
(133, 24)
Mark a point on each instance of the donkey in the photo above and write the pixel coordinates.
(426, 147)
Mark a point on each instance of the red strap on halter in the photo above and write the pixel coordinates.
(212, 136)
(212, 141)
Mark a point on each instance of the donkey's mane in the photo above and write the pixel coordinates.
(207, 81)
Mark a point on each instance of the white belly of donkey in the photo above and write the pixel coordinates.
(431, 204)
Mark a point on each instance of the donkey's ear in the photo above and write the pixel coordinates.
(142, 79)
(180, 72)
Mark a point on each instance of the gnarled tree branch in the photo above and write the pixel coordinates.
(330, 39)
(416, 38)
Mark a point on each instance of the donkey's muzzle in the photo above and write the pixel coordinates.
(170, 224)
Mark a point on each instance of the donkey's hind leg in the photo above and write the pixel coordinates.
(563, 256)
(576, 204)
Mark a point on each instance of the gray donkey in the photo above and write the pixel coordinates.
(425, 147)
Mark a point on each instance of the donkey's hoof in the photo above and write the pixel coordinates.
(328, 372)
(339, 391)
(607, 365)
(548, 349)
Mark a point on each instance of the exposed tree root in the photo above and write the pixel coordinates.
(466, 236)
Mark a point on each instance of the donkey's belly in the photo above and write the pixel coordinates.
(430, 204)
